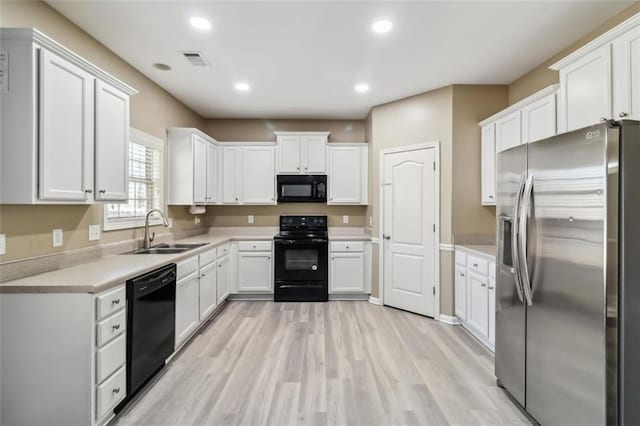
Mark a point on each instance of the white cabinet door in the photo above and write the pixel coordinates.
(231, 169)
(585, 90)
(626, 75)
(289, 155)
(488, 165)
(254, 271)
(199, 170)
(347, 273)
(508, 131)
(461, 293)
(66, 130)
(208, 290)
(492, 311)
(212, 174)
(187, 307)
(345, 175)
(223, 279)
(259, 185)
(111, 143)
(539, 119)
(478, 303)
(314, 155)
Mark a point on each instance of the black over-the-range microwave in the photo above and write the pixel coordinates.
(302, 188)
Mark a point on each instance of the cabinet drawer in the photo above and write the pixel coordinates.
(111, 327)
(223, 250)
(110, 358)
(187, 267)
(254, 246)
(492, 271)
(207, 257)
(478, 265)
(461, 258)
(110, 393)
(347, 246)
(110, 302)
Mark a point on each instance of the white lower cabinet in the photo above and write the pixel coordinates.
(349, 267)
(187, 307)
(208, 290)
(254, 272)
(461, 293)
(478, 303)
(222, 276)
(492, 310)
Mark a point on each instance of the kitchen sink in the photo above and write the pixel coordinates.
(168, 248)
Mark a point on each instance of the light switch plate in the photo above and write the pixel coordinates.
(94, 232)
(57, 238)
(3, 244)
(170, 220)
(250, 218)
(370, 221)
(196, 220)
(345, 219)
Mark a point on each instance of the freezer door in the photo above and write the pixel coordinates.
(565, 208)
(510, 310)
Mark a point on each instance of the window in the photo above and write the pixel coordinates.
(145, 184)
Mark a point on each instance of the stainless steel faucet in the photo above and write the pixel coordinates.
(148, 239)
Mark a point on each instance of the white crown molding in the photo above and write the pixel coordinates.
(448, 319)
(520, 104)
(375, 301)
(279, 133)
(598, 42)
(191, 130)
(41, 39)
(447, 247)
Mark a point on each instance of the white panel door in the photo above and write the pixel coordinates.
(231, 169)
(347, 273)
(111, 143)
(254, 271)
(199, 170)
(314, 155)
(66, 130)
(539, 119)
(461, 293)
(212, 173)
(345, 175)
(585, 90)
(492, 311)
(187, 307)
(488, 165)
(222, 277)
(478, 303)
(289, 155)
(259, 185)
(409, 237)
(508, 131)
(626, 75)
(208, 290)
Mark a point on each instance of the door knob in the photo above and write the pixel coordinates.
(622, 114)
(386, 237)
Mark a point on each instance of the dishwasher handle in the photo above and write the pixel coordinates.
(153, 281)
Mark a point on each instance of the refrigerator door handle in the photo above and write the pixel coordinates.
(514, 239)
(522, 254)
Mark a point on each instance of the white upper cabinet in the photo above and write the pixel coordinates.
(508, 131)
(488, 164)
(112, 143)
(213, 171)
(259, 171)
(65, 125)
(200, 154)
(626, 75)
(231, 174)
(539, 119)
(348, 172)
(302, 152)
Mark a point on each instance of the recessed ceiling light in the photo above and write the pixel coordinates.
(242, 86)
(200, 23)
(161, 66)
(362, 88)
(382, 26)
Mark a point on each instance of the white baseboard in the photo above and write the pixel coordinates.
(375, 300)
(448, 319)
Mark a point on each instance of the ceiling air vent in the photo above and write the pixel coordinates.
(196, 59)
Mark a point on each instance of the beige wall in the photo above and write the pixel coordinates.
(28, 228)
(541, 77)
(230, 130)
(269, 215)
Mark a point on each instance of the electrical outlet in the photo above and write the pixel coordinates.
(57, 238)
(370, 221)
(250, 218)
(345, 219)
(94, 232)
(170, 220)
(196, 220)
(3, 244)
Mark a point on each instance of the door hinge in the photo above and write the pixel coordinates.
(434, 290)
(434, 227)
(434, 166)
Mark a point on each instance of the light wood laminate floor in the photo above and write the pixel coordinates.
(336, 363)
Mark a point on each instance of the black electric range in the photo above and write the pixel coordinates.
(302, 259)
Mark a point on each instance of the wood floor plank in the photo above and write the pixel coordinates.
(337, 363)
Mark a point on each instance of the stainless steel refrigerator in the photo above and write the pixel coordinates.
(568, 276)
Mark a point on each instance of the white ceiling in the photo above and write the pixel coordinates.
(303, 59)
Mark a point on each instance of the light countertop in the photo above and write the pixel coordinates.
(101, 274)
(483, 249)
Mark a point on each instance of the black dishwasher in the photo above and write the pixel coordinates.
(151, 314)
